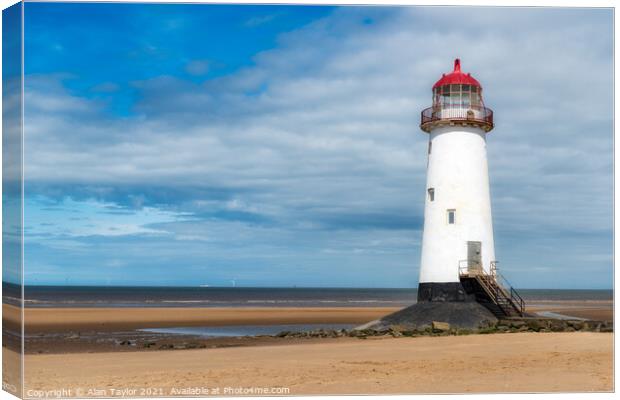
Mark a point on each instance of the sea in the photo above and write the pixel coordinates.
(127, 296)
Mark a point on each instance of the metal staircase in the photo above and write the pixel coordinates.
(491, 289)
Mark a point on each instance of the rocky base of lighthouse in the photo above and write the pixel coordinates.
(459, 314)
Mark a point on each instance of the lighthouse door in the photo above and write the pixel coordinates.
(474, 257)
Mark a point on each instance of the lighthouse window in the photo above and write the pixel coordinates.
(475, 99)
(431, 194)
(455, 98)
(451, 216)
(445, 94)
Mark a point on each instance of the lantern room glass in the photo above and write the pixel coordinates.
(457, 96)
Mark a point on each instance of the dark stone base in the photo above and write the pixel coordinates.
(444, 291)
(459, 314)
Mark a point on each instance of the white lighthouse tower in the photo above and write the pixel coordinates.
(459, 281)
(458, 227)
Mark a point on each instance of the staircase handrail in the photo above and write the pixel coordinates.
(465, 269)
(515, 297)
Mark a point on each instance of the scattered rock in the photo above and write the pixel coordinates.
(440, 326)
(534, 325)
(396, 328)
(576, 325)
(557, 325)
(486, 324)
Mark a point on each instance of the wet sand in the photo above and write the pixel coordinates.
(510, 362)
(114, 319)
(81, 330)
(598, 310)
(597, 314)
(117, 319)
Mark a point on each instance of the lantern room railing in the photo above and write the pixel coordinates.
(466, 115)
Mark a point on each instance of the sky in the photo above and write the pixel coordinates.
(280, 146)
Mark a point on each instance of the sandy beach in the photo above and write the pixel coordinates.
(519, 362)
(87, 343)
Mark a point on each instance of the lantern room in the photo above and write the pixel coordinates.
(457, 95)
(457, 99)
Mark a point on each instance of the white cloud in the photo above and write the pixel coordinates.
(197, 67)
(260, 20)
(106, 87)
(72, 219)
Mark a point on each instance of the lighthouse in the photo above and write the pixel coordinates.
(458, 227)
(460, 283)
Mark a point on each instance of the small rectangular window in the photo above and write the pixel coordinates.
(451, 217)
(431, 194)
(430, 147)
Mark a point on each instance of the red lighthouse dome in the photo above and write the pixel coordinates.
(457, 77)
(457, 100)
